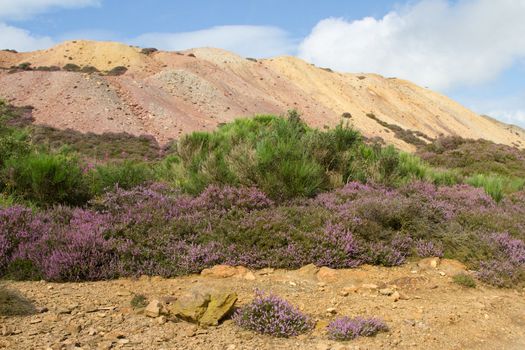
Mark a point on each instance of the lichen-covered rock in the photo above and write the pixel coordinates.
(220, 305)
(191, 307)
(204, 308)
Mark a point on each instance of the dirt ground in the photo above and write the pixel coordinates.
(428, 311)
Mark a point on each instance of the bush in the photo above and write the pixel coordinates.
(464, 280)
(24, 66)
(148, 50)
(503, 274)
(139, 301)
(125, 175)
(12, 303)
(71, 67)
(273, 316)
(46, 179)
(345, 328)
(119, 70)
(89, 69)
(283, 157)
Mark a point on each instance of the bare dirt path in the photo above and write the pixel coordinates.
(428, 311)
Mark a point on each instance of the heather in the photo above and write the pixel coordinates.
(272, 315)
(159, 230)
(345, 328)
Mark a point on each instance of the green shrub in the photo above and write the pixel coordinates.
(283, 157)
(46, 178)
(139, 301)
(491, 184)
(126, 175)
(119, 70)
(22, 270)
(71, 67)
(464, 280)
(12, 303)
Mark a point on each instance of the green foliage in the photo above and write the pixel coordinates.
(22, 270)
(12, 303)
(45, 178)
(126, 175)
(496, 185)
(71, 67)
(139, 301)
(464, 280)
(119, 70)
(283, 157)
(470, 157)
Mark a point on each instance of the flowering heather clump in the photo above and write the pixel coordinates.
(269, 314)
(345, 328)
(426, 249)
(500, 273)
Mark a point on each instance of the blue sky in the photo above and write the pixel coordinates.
(470, 50)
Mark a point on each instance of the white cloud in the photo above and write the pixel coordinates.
(21, 40)
(256, 41)
(432, 42)
(23, 9)
(516, 117)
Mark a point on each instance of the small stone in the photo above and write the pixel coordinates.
(249, 276)
(369, 286)
(441, 273)
(35, 320)
(395, 296)
(293, 284)
(123, 293)
(327, 274)
(386, 291)
(344, 293)
(265, 271)
(428, 263)
(92, 332)
(153, 309)
(161, 320)
(331, 310)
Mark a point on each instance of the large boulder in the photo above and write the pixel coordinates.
(204, 308)
(220, 305)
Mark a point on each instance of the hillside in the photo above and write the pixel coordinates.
(168, 94)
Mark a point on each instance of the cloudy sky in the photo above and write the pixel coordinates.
(470, 50)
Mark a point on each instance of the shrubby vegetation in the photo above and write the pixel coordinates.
(267, 191)
(269, 314)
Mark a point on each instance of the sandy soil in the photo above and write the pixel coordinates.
(432, 312)
(168, 94)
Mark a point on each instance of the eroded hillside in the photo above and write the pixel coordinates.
(167, 94)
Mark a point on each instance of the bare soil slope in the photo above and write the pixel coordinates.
(168, 94)
(432, 312)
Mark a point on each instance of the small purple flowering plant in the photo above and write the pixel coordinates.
(272, 315)
(346, 328)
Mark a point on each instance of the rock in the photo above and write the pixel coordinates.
(370, 286)
(191, 307)
(452, 267)
(395, 296)
(249, 276)
(344, 293)
(428, 263)
(161, 320)
(153, 309)
(326, 274)
(386, 291)
(265, 271)
(224, 271)
(220, 305)
(331, 310)
(308, 271)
